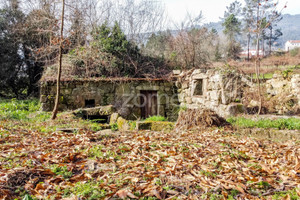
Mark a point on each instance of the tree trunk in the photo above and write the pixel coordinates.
(257, 60)
(55, 110)
(270, 41)
(248, 45)
(263, 46)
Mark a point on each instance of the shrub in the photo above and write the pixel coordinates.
(156, 119)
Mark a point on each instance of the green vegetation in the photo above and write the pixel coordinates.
(294, 52)
(21, 110)
(114, 127)
(291, 194)
(26, 114)
(89, 190)
(156, 119)
(264, 76)
(290, 123)
(61, 170)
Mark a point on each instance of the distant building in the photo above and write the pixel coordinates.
(292, 44)
(252, 53)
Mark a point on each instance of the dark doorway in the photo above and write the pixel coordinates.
(90, 103)
(148, 103)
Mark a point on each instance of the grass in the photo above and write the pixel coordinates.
(282, 124)
(290, 194)
(21, 110)
(61, 170)
(156, 119)
(27, 114)
(264, 76)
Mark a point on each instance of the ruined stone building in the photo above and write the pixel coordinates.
(138, 98)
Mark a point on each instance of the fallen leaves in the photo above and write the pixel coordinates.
(188, 164)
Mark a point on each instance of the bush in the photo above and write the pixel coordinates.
(156, 119)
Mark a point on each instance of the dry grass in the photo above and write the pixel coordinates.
(197, 118)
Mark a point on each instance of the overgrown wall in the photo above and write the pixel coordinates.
(123, 95)
(284, 93)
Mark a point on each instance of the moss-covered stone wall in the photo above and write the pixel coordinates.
(123, 95)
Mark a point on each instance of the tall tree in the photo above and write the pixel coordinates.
(265, 14)
(232, 30)
(248, 25)
(272, 36)
(13, 77)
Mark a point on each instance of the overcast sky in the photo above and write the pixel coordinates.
(212, 10)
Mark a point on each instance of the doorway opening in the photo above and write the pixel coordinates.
(149, 103)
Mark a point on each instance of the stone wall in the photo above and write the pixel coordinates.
(123, 95)
(217, 90)
(285, 92)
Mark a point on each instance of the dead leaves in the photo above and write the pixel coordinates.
(186, 165)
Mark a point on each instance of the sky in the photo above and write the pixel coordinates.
(212, 10)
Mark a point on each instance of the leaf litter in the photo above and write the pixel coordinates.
(191, 164)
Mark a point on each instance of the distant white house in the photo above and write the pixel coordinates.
(252, 53)
(292, 44)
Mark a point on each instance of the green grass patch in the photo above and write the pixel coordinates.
(156, 119)
(61, 170)
(90, 190)
(281, 124)
(22, 110)
(264, 76)
(293, 195)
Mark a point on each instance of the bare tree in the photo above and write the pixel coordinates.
(55, 110)
(266, 13)
(193, 46)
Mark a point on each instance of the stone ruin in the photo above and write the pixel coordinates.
(285, 91)
(131, 98)
(219, 90)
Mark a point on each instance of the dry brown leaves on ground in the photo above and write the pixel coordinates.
(186, 165)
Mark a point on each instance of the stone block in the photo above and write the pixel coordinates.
(45, 107)
(113, 118)
(188, 100)
(123, 124)
(176, 72)
(234, 109)
(43, 99)
(106, 110)
(161, 110)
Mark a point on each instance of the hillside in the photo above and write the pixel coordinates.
(289, 25)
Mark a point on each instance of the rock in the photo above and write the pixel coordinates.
(106, 110)
(254, 103)
(234, 109)
(46, 107)
(105, 132)
(87, 111)
(123, 124)
(188, 100)
(176, 72)
(113, 118)
(43, 99)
